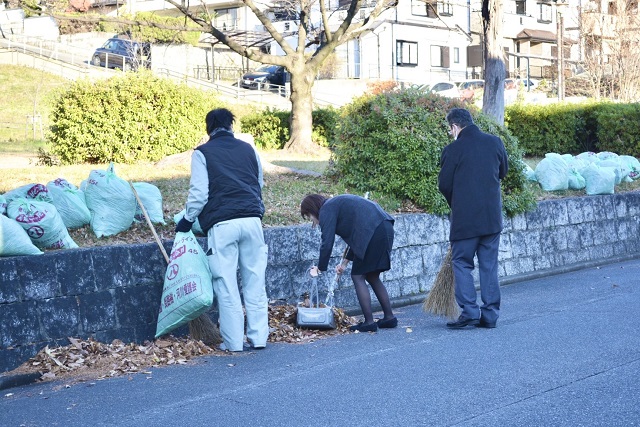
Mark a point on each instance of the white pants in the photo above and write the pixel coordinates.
(233, 243)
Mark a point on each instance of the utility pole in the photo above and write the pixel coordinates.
(560, 42)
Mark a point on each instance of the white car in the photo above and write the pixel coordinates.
(446, 89)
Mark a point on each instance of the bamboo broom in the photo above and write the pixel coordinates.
(441, 300)
(201, 328)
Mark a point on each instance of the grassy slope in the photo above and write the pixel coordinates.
(24, 90)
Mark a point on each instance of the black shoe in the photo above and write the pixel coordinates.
(389, 323)
(484, 324)
(463, 322)
(361, 327)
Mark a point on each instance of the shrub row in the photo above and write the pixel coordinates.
(575, 128)
(129, 118)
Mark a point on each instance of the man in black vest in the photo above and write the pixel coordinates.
(471, 169)
(225, 195)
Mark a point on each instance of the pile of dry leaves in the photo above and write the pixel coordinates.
(90, 359)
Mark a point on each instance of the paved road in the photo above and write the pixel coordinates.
(566, 353)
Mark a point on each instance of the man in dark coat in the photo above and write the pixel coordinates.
(471, 169)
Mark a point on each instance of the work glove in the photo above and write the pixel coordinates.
(183, 225)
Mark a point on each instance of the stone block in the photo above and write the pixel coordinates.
(14, 357)
(432, 257)
(541, 218)
(585, 231)
(20, 324)
(39, 281)
(137, 305)
(400, 233)
(279, 282)
(409, 286)
(561, 212)
(575, 211)
(97, 312)
(10, 288)
(283, 245)
(59, 317)
(519, 222)
(112, 266)
(76, 273)
(153, 270)
(424, 229)
(411, 258)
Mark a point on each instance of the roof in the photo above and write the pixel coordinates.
(537, 35)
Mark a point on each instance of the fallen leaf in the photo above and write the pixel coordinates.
(409, 330)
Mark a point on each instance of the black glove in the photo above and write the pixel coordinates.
(183, 225)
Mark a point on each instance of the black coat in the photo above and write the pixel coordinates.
(471, 169)
(353, 218)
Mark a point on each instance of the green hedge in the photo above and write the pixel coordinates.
(128, 118)
(617, 128)
(567, 128)
(553, 128)
(270, 128)
(392, 143)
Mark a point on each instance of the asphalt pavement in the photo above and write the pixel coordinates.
(566, 352)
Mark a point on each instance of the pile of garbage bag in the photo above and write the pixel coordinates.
(35, 217)
(596, 173)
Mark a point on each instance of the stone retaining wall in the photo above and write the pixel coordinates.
(114, 292)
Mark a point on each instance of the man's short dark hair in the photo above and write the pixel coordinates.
(460, 117)
(219, 118)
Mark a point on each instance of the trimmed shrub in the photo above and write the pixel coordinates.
(392, 143)
(128, 118)
(553, 128)
(270, 128)
(616, 128)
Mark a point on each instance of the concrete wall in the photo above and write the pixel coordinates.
(114, 292)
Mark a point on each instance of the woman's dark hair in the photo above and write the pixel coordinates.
(219, 118)
(311, 205)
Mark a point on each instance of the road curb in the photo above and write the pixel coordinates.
(10, 381)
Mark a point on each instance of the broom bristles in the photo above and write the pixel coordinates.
(441, 300)
(203, 329)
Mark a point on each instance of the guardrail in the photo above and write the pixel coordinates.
(48, 49)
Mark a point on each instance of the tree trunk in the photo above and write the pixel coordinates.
(301, 108)
(494, 68)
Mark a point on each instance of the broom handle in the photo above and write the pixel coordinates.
(153, 230)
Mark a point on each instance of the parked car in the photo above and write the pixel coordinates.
(532, 83)
(123, 54)
(265, 77)
(446, 89)
(468, 88)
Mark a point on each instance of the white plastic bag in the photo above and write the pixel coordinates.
(3, 205)
(553, 173)
(69, 201)
(599, 180)
(14, 240)
(29, 191)
(42, 222)
(110, 201)
(151, 198)
(188, 287)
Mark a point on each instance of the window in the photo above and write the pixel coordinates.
(545, 13)
(445, 9)
(456, 55)
(226, 19)
(406, 53)
(440, 56)
(521, 7)
(424, 8)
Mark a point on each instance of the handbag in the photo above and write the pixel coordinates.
(316, 317)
